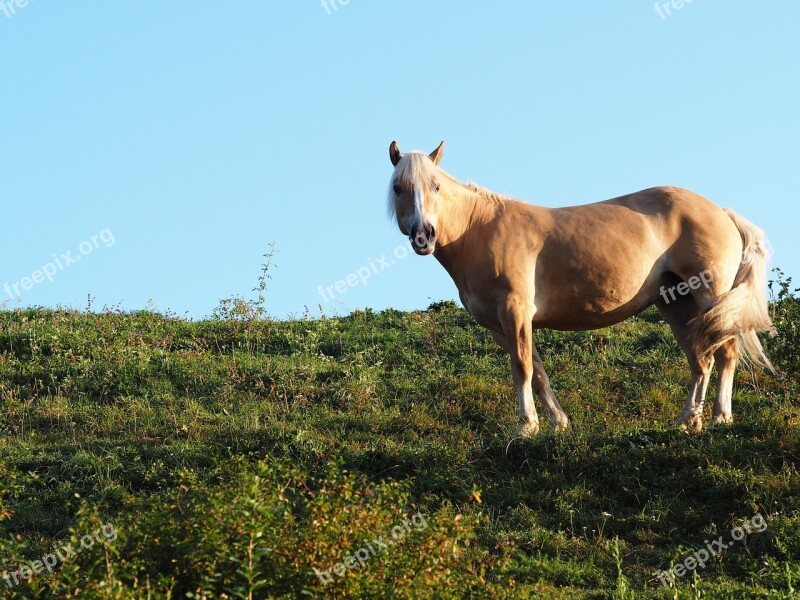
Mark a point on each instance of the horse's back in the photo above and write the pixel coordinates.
(667, 203)
(603, 262)
(655, 216)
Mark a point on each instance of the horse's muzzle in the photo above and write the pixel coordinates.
(423, 239)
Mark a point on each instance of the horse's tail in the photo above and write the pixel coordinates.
(742, 311)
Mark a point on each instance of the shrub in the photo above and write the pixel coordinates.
(784, 349)
(268, 531)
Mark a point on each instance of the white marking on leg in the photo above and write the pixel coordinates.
(528, 419)
(722, 406)
(527, 410)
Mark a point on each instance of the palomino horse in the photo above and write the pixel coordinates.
(520, 267)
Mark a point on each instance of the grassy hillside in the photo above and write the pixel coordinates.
(232, 457)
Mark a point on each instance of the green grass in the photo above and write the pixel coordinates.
(235, 455)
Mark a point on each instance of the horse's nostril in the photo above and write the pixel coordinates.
(433, 233)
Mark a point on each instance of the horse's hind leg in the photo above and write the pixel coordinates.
(726, 358)
(678, 314)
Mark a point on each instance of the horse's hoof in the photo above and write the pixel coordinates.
(692, 424)
(718, 420)
(561, 426)
(527, 429)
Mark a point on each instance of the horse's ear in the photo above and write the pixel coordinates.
(394, 153)
(436, 155)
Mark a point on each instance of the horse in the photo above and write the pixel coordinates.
(520, 267)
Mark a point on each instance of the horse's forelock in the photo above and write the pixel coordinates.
(414, 167)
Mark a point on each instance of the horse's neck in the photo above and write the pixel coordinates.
(468, 211)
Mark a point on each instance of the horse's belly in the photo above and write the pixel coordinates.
(591, 307)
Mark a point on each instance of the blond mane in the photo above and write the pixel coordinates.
(493, 197)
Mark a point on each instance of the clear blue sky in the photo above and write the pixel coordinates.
(195, 133)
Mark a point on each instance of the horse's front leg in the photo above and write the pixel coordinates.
(517, 341)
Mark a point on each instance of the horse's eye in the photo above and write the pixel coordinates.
(397, 189)
(437, 188)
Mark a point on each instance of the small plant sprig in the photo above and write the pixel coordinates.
(242, 315)
(265, 276)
